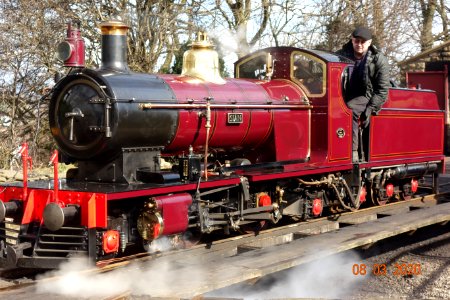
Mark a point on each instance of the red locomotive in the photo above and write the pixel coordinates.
(275, 142)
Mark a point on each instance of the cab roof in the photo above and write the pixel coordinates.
(324, 55)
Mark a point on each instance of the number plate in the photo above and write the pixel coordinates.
(235, 118)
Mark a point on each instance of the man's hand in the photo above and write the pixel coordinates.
(365, 117)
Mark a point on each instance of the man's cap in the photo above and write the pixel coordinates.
(362, 32)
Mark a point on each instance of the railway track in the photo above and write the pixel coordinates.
(247, 257)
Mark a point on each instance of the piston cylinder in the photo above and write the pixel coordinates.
(164, 215)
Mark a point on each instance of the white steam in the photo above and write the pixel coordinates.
(229, 45)
(174, 277)
(157, 278)
(72, 280)
(329, 278)
(160, 245)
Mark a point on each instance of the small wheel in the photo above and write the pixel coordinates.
(405, 197)
(379, 200)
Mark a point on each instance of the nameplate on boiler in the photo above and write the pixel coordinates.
(235, 118)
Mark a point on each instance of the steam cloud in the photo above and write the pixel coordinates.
(228, 45)
(73, 283)
(155, 278)
(328, 278)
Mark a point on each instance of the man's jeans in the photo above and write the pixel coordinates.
(358, 106)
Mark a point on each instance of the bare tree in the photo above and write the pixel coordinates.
(237, 22)
(443, 9)
(428, 9)
(153, 32)
(294, 24)
(285, 14)
(28, 39)
(379, 22)
(426, 18)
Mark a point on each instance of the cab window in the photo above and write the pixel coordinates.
(309, 72)
(254, 67)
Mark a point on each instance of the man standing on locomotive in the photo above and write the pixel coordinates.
(368, 82)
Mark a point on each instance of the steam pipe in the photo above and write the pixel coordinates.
(208, 128)
(299, 106)
(412, 170)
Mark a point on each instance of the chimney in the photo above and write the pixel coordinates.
(114, 46)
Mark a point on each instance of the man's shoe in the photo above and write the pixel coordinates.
(355, 156)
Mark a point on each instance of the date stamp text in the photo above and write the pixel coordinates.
(383, 269)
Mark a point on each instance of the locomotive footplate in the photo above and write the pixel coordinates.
(119, 191)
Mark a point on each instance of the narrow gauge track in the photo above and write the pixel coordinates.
(281, 235)
(267, 245)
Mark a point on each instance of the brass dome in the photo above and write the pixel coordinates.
(202, 61)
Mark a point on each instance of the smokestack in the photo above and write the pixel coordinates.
(114, 46)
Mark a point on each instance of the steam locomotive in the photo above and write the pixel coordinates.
(166, 155)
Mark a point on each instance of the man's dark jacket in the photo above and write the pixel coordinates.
(376, 75)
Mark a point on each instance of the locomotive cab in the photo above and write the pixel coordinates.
(302, 67)
(317, 75)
